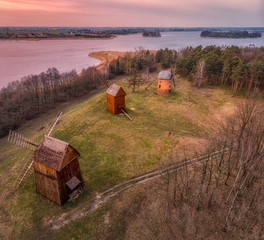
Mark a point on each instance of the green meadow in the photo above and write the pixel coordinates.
(113, 149)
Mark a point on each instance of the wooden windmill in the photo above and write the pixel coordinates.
(56, 167)
(161, 82)
(164, 83)
(115, 99)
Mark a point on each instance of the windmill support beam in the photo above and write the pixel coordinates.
(150, 85)
(173, 81)
(126, 114)
(104, 82)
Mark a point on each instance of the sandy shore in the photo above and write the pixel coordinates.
(106, 57)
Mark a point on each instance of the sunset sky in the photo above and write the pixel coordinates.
(143, 13)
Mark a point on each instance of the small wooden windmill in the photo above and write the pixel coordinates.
(115, 99)
(164, 83)
(159, 81)
(56, 167)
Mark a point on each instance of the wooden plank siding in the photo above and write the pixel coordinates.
(46, 182)
(111, 103)
(119, 103)
(164, 87)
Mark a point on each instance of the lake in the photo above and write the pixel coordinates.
(19, 58)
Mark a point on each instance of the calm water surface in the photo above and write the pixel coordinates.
(23, 57)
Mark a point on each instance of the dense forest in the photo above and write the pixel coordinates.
(35, 94)
(230, 34)
(241, 69)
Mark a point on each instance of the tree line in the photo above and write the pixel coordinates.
(35, 94)
(240, 68)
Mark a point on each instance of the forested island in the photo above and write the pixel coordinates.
(155, 33)
(230, 34)
(39, 33)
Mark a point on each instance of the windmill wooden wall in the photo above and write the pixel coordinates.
(164, 87)
(115, 99)
(164, 83)
(57, 170)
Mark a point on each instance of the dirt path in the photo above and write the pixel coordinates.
(87, 208)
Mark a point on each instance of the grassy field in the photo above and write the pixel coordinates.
(112, 149)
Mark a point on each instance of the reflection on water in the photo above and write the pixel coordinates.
(23, 57)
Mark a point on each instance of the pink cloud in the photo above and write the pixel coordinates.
(130, 12)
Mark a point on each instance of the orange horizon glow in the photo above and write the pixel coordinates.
(131, 13)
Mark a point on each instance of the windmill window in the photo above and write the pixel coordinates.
(69, 175)
(159, 86)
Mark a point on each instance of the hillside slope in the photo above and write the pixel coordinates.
(112, 149)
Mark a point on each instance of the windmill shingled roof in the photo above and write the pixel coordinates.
(51, 152)
(166, 75)
(113, 90)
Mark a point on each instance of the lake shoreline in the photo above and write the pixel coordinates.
(59, 38)
(106, 57)
(21, 58)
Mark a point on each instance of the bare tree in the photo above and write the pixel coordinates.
(200, 73)
(135, 80)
